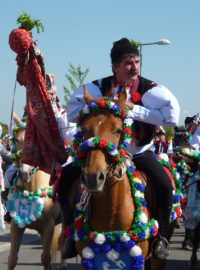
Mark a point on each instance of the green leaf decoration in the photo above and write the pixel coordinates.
(25, 21)
(135, 43)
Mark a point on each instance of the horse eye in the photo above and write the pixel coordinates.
(119, 131)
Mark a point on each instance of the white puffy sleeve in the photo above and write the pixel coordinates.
(160, 107)
(67, 129)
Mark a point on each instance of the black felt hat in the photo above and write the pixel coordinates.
(121, 48)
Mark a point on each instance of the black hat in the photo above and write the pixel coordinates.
(122, 47)
(188, 120)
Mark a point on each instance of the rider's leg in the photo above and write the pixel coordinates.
(69, 175)
(187, 242)
(160, 181)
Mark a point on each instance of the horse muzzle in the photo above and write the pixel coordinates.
(94, 182)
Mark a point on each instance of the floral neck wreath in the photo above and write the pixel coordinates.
(176, 211)
(112, 244)
(192, 153)
(183, 169)
(185, 134)
(181, 134)
(26, 206)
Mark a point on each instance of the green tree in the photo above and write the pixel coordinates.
(5, 129)
(75, 78)
(169, 132)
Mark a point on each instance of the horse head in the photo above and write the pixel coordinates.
(102, 143)
(18, 132)
(187, 159)
(182, 137)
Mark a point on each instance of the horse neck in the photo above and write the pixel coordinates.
(39, 180)
(113, 208)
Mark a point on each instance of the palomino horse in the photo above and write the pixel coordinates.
(30, 205)
(112, 227)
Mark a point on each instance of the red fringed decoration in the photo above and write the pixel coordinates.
(43, 145)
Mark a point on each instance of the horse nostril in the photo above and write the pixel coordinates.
(101, 176)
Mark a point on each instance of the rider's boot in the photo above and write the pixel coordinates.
(161, 244)
(69, 175)
(187, 242)
(69, 250)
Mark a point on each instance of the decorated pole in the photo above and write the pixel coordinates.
(43, 145)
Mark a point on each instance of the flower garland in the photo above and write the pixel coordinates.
(192, 153)
(26, 206)
(20, 125)
(114, 242)
(24, 210)
(177, 195)
(80, 148)
(97, 142)
(182, 169)
(185, 174)
(16, 156)
(185, 134)
(40, 193)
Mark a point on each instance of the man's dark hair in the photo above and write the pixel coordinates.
(188, 120)
(120, 48)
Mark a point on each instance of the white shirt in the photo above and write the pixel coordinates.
(195, 141)
(160, 108)
(67, 129)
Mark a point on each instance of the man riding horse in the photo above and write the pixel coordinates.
(151, 105)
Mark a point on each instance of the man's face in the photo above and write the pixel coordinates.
(128, 69)
(162, 138)
(193, 128)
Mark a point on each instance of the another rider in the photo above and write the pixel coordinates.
(161, 143)
(195, 131)
(192, 124)
(152, 105)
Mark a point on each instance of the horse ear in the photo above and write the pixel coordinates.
(88, 98)
(122, 97)
(16, 118)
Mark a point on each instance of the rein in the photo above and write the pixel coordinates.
(117, 172)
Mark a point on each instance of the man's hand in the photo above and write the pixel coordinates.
(130, 104)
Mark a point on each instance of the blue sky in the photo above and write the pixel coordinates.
(82, 32)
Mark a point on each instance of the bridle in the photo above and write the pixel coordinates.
(118, 154)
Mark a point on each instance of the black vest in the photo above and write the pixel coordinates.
(143, 132)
